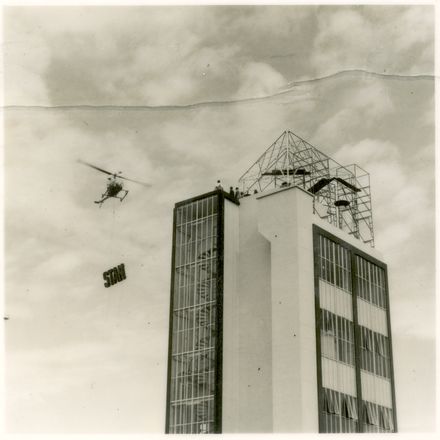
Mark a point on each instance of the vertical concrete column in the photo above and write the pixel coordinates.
(254, 325)
(285, 219)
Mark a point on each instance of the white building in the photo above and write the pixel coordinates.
(279, 316)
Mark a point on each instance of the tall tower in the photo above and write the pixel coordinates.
(279, 314)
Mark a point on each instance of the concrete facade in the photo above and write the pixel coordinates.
(271, 313)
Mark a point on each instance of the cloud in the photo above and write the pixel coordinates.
(25, 61)
(181, 55)
(259, 79)
(345, 37)
(374, 38)
(361, 105)
(406, 196)
(392, 185)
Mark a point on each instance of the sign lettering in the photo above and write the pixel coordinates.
(115, 275)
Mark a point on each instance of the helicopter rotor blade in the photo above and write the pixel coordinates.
(95, 167)
(115, 175)
(135, 181)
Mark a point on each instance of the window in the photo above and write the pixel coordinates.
(337, 337)
(378, 418)
(370, 280)
(339, 411)
(370, 415)
(386, 419)
(193, 348)
(331, 402)
(375, 352)
(335, 263)
(351, 407)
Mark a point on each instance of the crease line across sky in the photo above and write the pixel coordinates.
(290, 88)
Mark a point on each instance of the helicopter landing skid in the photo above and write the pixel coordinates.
(106, 196)
(125, 195)
(100, 202)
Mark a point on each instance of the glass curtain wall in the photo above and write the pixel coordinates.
(339, 396)
(349, 373)
(375, 348)
(194, 307)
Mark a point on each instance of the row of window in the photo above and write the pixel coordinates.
(195, 272)
(193, 375)
(188, 364)
(370, 282)
(337, 337)
(193, 428)
(196, 292)
(374, 342)
(375, 352)
(196, 251)
(193, 317)
(335, 424)
(337, 343)
(192, 382)
(196, 210)
(193, 370)
(192, 417)
(335, 268)
(336, 325)
(339, 412)
(378, 416)
(196, 230)
(195, 284)
(194, 339)
(336, 405)
(200, 385)
(192, 295)
(335, 263)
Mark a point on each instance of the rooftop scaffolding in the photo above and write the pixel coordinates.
(341, 194)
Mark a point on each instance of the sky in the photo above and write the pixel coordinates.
(180, 97)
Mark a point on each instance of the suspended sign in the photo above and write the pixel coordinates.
(114, 275)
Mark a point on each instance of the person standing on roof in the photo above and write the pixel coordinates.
(219, 185)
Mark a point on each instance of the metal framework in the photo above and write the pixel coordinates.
(341, 194)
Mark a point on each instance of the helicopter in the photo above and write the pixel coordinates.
(114, 185)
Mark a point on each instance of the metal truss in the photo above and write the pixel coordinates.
(341, 194)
